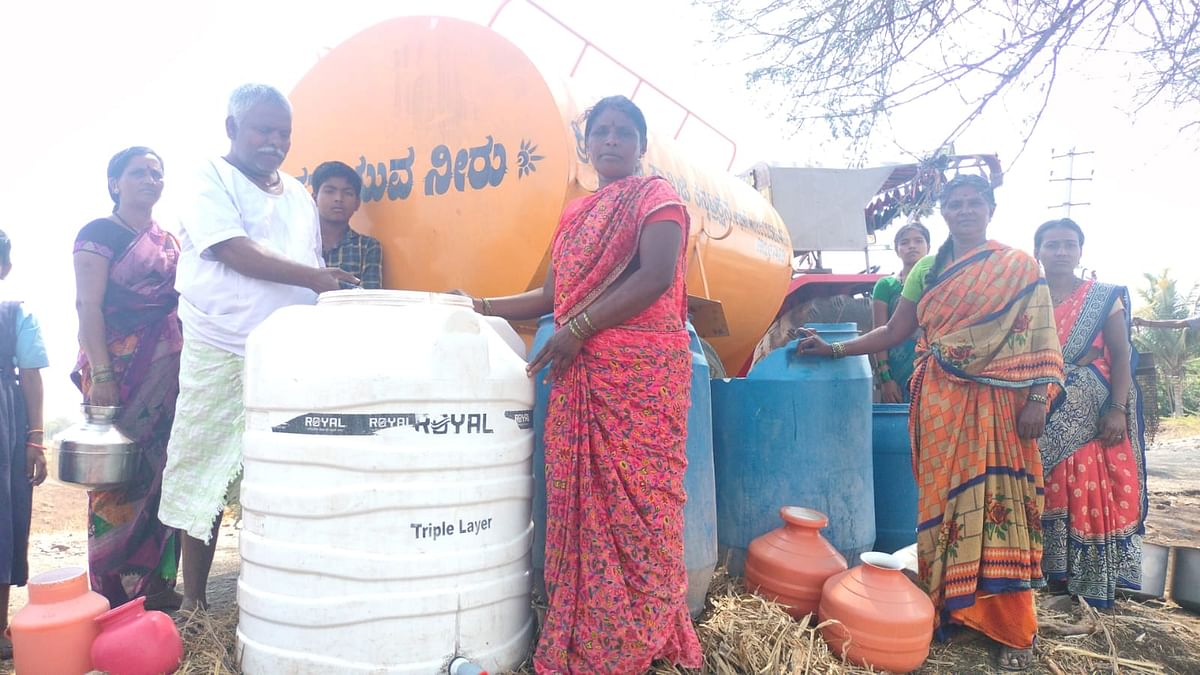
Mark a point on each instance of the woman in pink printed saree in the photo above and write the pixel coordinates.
(130, 340)
(1093, 449)
(617, 417)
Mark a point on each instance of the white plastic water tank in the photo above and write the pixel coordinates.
(387, 489)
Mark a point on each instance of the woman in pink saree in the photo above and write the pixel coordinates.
(617, 418)
(130, 340)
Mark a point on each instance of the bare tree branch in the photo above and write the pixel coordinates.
(852, 63)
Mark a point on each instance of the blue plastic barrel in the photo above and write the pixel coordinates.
(895, 488)
(700, 484)
(795, 432)
(700, 512)
(541, 398)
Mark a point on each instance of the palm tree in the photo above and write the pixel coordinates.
(1175, 351)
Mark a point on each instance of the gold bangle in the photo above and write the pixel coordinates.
(1037, 398)
(574, 328)
(839, 349)
(588, 320)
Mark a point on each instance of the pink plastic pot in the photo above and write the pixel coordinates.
(134, 641)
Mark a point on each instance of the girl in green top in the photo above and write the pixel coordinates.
(895, 366)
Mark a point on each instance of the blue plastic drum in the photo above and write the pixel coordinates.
(700, 512)
(895, 488)
(795, 432)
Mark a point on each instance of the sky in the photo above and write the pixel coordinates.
(82, 80)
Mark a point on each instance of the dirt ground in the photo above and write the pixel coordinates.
(59, 539)
(1173, 482)
(59, 536)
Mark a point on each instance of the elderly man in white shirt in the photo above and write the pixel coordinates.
(250, 244)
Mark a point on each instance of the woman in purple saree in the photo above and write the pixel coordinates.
(130, 340)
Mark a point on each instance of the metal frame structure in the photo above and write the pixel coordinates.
(588, 45)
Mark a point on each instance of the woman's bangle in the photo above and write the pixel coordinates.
(486, 306)
(33, 431)
(1119, 406)
(576, 330)
(839, 349)
(39, 446)
(885, 376)
(102, 377)
(588, 320)
(1037, 398)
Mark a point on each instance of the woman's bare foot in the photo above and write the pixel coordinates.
(166, 600)
(1011, 658)
(1064, 603)
(190, 605)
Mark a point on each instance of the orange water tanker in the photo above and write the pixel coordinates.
(468, 156)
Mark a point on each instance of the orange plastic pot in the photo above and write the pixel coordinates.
(790, 565)
(53, 634)
(882, 619)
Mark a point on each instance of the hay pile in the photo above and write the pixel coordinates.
(209, 642)
(742, 633)
(1154, 637)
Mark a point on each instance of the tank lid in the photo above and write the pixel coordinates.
(381, 298)
(885, 561)
(59, 575)
(834, 327)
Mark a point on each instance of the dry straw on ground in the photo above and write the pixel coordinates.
(209, 642)
(742, 634)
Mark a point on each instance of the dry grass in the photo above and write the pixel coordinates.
(742, 633)
(1154, 637)
(209, 642)
(1173, 428)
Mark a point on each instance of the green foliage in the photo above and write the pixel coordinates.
(1176, 352)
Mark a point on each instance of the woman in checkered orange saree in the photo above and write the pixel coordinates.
(988, 352)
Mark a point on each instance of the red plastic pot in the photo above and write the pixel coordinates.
(133, 641)
(790, 565)
(882, 618)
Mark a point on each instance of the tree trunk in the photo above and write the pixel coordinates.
(1176, 396)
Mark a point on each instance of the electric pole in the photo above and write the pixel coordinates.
(1070, 178)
